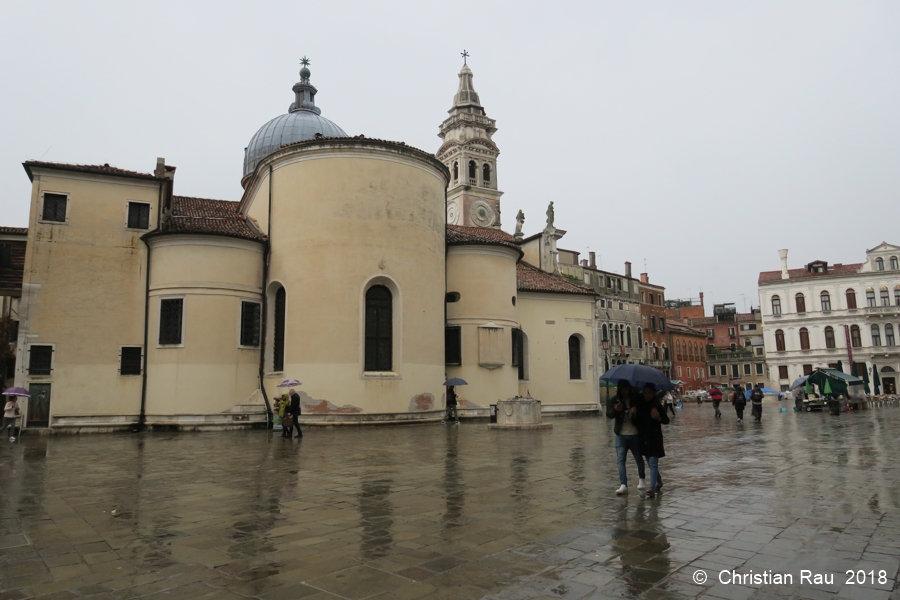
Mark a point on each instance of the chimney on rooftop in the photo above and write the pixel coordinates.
(584, 262)
(628, 269)
(784, 267)
(701, 298)
(593, 262)
(645, 278)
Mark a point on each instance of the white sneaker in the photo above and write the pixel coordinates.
(12, 439)
(642, 485)
(623, 489)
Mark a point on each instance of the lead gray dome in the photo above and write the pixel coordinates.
(302, 122)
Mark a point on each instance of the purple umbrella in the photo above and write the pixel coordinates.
(17, 391)
(289, 383)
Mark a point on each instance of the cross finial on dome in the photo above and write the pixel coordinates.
(304, 61)
(465, 55)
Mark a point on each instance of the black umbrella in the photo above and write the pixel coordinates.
(455, 381)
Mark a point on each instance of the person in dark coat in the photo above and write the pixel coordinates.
(649, 418)
(756, 398)
(452, 414)
(715, 394)
(295, 413)
(739, 401)
(622, 407)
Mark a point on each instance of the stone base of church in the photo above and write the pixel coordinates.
(334, 419)
(552, 410)
(519, 427)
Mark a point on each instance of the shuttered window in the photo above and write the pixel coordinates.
(453, 345)
(250, 312)
(574, 357)
(278, 341)
(138, 215)
(170, 320)
(379, 329)
(40, 360)
(54, 208)
(130, 361)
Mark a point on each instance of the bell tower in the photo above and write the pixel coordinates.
(468, 151)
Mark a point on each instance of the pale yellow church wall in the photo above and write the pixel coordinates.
(485, 278)
(209, 372)
(548, 320)
(84, 291)
(532, 250)
(258, 202)
(345, 218)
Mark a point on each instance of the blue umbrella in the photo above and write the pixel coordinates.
(799, 382)
(764, 391)
(638, 375)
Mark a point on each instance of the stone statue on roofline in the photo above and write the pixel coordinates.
(551, 215)
(520, 220)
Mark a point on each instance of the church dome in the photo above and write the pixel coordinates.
(302, 122)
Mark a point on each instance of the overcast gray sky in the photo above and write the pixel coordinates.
(698, 136)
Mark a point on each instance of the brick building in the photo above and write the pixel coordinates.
(688, 346)
(653, 321)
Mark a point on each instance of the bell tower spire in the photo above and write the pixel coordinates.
(471, 155)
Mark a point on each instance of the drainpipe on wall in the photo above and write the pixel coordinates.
(142, 418)
(265, 309)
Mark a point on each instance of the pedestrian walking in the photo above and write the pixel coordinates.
(622, 408)
(452, 412)
(649, 418)
(669, 400)
(737, 398)
(10, 416)
(756, 398)
(295, 414)
(715, 394)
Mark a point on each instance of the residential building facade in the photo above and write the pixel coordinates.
(653, 320)
(834, 315)
(688, 346)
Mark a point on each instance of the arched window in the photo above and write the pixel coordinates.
(855, 337)
(825, 298)
(473, 170)
(779, 340)
(379, 329)
(574, 357)
(879, 264)
(894, 264)
(278, 334)
(646, 350)
(776, 305)
(885, 297)
(829, 337)
(801, 303)
(889, 335)
(617, 336)
(628, 337)
(804, 338)
(851, 298)
(640, 337)
(677, 350)
(605, 331)
(455, 170)
(665, 350)
(876, 335)
(691, 352)
(870, 297)
(655, 351)
(486, 173)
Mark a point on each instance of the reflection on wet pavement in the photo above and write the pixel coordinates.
(454, 512)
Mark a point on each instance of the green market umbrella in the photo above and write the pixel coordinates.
(827, 389)
(876, 380)
(865, 378)
(808, 388)
(840, 366)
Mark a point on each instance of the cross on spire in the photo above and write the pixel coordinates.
(304, 61)
(465, 55)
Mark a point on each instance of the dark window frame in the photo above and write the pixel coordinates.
(379, 330)
(138, 215)
(251, 324)
(830, 340)
(574, 347)
(850, 295)
(453, 345)
(804, 338)
(40, 359)
(779, 340)
(131, 360)
(783, 372)
(278, 322)
(171, 322)
(52, 203)
(5, 255)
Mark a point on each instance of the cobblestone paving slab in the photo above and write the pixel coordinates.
(456, 512)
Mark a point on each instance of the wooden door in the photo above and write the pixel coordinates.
(39, 405)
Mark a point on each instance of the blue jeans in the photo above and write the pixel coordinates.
(624, 443)
(655, 479)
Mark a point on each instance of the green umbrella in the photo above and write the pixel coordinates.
(853, 370)
(827, 389)
(808, 389)
(876, 380)
(865, 377)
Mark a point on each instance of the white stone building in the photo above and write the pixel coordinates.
(821, 314)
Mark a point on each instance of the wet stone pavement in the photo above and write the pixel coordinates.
(456, 512)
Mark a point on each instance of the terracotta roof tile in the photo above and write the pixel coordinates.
(13, 230)
(770, 276)
(202, 215)
(104, 169)
(532, 279)
(457, 235)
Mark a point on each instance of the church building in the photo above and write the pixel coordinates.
(367, 269)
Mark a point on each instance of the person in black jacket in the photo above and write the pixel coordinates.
(756, 398)
(649, 418)
(295, 412)
(622, 407)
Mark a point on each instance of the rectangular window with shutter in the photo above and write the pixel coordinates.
(138, 215)
(807, 369)
(453, 345)
(40, 360)
(54, 207)
(170, 321)
(782, 372)
(130, 362)
(250, 317)
(734, 371)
